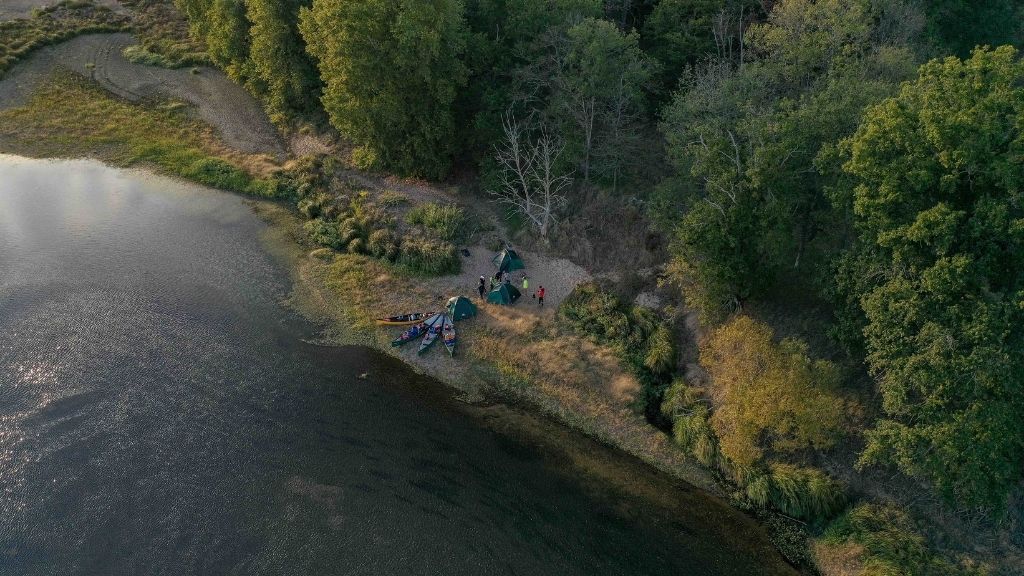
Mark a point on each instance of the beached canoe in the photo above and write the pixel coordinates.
(432, 334)
(405, 319)
(448, 333)
(416, 331)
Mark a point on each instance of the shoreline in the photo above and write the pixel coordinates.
(473, 380)
(589, 402)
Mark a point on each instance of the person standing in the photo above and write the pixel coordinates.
(526, 285)
(480, 288)
(540, 296)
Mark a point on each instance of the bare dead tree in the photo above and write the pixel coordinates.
(530, 180)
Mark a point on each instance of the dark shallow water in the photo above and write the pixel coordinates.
(160, 414)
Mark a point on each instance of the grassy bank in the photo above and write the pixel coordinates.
(521, 355)
(54, 24)
(71, 117)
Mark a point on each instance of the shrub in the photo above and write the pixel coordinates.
(643, 341)
(357, 246)
(772, 396)
(429, 256)
(447, 221)
(381, 244)
(661, 350)
(325, 233)
(806, 493)
(217, 173)
(692, 432)
(889, 541)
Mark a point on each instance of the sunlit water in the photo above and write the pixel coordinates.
(160, 414)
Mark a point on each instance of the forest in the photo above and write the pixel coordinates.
(833, 188)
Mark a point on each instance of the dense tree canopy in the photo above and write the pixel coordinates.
(280, 65)
(752, 136)
(939, 208)
(391, 71)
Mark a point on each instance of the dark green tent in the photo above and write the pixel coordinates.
(503, 294)
(460, 308)
(507, 260)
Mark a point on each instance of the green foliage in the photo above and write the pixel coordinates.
(51, 25)
(391, 70)
(227, 37)
(325, 233)
(805, 493)
(392, 199)
(642, 340)
(937, 197)
(507, 37)
(281, 68)
(769, 396)
(593, 79)
(309, 176)
(759, 141)
(661, 351)
(429, 256)
(357, 225)
(448, 220)
(892, 544)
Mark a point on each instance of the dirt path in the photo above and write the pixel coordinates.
(13, 9)
(226, 106)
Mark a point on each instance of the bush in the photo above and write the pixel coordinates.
(325, 233)
(218, 173)
(693, 433)
(429, 256)
(661, 351)
(771, 396)
(806, 493)
(447, 221)
(382, 244)
(643, 341)
(890, 543)
(309, 175)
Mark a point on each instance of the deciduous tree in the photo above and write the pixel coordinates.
(391, 70)
(769, 396)
(940, 212)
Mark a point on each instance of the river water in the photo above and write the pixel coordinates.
(160, 413)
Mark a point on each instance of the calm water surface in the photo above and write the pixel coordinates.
(161, 414)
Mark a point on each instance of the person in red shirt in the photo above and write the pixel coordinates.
(540, 296)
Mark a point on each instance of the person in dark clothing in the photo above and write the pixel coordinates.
(481, 288)
(540, 296)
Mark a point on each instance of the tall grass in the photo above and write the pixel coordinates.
(429, 256)
(448, 221)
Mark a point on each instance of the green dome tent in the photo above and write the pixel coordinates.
(460, 308)
(503, 294)
(507, 260)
